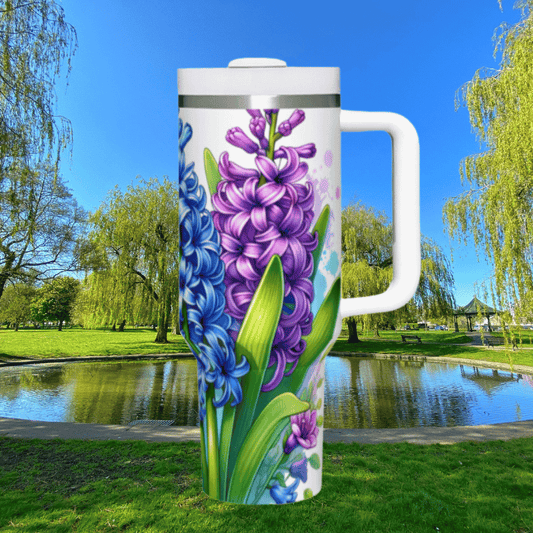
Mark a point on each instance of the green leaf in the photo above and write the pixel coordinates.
(213, 476)
(321, 334)
(317, 341)
(228, 420)
(186, 336)
(314, 461)
(266, 429)
(319, 420)
(211, 171)
(308, 493)
(321, 226)
(255, 343)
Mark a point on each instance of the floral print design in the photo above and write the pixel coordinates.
(202, 289)
(261, 212)
(254, 237)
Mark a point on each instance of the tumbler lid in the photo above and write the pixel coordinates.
(259, 76)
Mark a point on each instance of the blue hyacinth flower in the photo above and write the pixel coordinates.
(202, 289)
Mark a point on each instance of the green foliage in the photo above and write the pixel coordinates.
(35, 43)
(496, 208)
(54, 301)
(15, 304)
(133, 252)
(367, 268)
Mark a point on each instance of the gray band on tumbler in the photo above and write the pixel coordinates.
(260, 101)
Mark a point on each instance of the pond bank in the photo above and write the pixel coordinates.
(519, 369)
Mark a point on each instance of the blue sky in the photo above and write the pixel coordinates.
(407, 57)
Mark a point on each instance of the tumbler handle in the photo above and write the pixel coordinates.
(405, 211)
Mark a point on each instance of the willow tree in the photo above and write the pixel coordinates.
(137, 234)
(496, 208)
(367, 270)
(37, 44)
(434, 296)
(366, 258)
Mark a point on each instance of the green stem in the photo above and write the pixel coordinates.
(228, 420)
(204, 458)
(272, 134)
(212, 445)
(272, 138)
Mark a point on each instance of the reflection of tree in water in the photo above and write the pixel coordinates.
(34, 379)
(359, 392)
(111, 393)
(487, 379)
(121, 393)
(374, 393)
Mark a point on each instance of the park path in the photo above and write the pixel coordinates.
(476, 338)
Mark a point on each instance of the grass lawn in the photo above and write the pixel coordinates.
(74, 485)
(77, 342)
(388, 343)
(441, 337)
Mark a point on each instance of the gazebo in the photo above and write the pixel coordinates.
(471, 310)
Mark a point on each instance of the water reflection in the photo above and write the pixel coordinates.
(359, 393)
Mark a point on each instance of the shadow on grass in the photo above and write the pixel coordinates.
(483, 487)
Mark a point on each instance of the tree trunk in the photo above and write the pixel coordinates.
(60, 327)
(162, 319)
(16, 326)
(352, 330)
(9, 260)
(122, 326)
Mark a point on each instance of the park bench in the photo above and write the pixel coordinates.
(404, 337)
(497, 341)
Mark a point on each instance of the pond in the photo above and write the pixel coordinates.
(359, 393)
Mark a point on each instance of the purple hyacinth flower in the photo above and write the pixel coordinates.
(298, 469)
(268, 113)
(304, 431)
(257, 127)
(284, 494)
(255, 222)
(286, 127)
(306, 151)
(238, 138)
(290, 173)
(233, 172)
(254, 112)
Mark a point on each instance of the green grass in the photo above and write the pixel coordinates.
(84, 486)
(442, 337)
(78, 342)
(432, 349)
